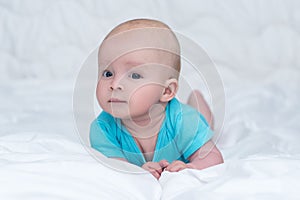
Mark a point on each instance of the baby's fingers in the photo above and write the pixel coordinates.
(176, 166)
(157, 167)
(163, 164)
(155, 173)
(154, 168)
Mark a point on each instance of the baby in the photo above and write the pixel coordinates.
(142, 122)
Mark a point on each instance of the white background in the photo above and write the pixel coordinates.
(255, 45)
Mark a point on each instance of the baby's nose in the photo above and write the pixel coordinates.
(116, 84)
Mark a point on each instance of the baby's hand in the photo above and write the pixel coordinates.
(177, 166)
(155, 168)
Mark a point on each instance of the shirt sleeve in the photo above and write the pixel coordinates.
(103, 140)
(192, 131)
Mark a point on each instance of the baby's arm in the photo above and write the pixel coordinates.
(206, 156)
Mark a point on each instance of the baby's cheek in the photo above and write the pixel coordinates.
(146, 95)
(137, 103)
(101, 94)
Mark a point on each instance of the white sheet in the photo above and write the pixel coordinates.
(255, 45)
(39, 167)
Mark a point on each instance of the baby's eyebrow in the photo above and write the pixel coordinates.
(133, 63)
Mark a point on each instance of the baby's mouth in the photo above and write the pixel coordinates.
(115, 100)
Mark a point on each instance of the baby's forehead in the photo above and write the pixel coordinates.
(136, 58)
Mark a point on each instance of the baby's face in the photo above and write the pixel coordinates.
(130, 85)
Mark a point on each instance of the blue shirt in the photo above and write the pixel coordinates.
(183, 131)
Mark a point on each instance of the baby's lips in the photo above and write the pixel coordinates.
(115, 100)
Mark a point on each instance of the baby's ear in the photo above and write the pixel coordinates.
(170, 90)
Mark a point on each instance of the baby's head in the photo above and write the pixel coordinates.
(139, 65)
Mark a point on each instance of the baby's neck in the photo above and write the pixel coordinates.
(148, 126)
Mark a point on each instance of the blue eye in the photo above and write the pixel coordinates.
(107, 74)
(135, 76)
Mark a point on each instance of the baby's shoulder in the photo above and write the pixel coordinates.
(176, 108)
(181, 114)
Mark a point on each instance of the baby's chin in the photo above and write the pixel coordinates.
(118, 114)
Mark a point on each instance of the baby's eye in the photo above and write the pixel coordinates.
(135, 76)
(107, 73)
